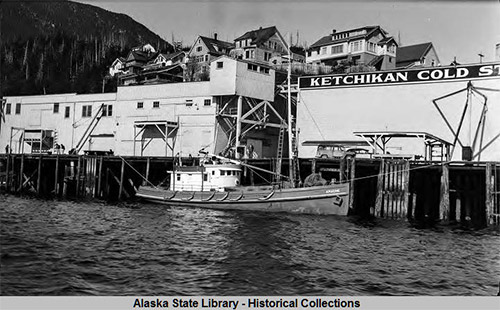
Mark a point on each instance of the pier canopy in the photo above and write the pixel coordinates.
(435, 148)
(149, 130)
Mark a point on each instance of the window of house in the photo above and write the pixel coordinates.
(8, 107)
(220, 64)
(252, 54)
(18, 108)
(252, 67)
(433, 63)
(205, 177)
(199, 49)
(189, 103)
(247, 54)
(206, 57)
(156, 104)
(66, 112)
(86, 111)
(222, 172)
(356, 46)
(370, 46)
(140, 105)
(264, 70)
(323, 51)
(178, 177)
(337, 49)
(56, 108)
(107, 110)
(207, 102)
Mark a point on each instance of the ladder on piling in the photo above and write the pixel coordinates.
(279, 154)
(295, 177)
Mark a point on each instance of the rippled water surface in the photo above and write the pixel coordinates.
(89, 248)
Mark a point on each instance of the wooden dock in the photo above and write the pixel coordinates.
(426, 193)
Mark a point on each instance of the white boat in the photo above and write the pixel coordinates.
(217, 186)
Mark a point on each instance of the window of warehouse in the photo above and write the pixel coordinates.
(107, 110)
(56, 108)
(18, 108)
(86, 111)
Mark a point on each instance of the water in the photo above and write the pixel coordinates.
(89, 248)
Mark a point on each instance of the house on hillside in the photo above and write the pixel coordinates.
(418, 55)
(203, 51)
(264, 45)
(368, 45)
(117, 66)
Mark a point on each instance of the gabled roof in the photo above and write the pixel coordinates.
(170, 55)
(326, 40)
(387, 41)
(412, 53)
(258, 36)
(140, 56)
(212, 43)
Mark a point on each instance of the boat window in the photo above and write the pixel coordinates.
(213, 172)
(222, 172)
(205, 177)
(178, 177)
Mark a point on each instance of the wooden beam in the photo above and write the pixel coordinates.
(39, 178)
(122, 174)
(490, 197)
(444, 203)
(56, 176)
(380, 189)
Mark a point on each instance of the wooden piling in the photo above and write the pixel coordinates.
(56, 176)
(406, 189)
(21, 175)
(490, 197)
(146, 176)
(380, 188)
(122, 173)
(444, 203)
(352, 179)
(99, 178)
(77, 189)
(7, 174)
(39, 178)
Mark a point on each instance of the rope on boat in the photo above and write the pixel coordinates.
(411, 169)
(144, 178)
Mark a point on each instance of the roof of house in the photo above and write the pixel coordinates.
(387, 40)
(412, 53)
(211, 44)
(326, 40)
(141, 56)
(258, 36)
(171, 55)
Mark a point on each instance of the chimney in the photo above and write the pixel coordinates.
(215, 36)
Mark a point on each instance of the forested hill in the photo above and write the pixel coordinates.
(63, 46)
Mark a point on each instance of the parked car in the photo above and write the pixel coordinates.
(340, 151)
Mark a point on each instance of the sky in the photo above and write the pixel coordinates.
(460, 29)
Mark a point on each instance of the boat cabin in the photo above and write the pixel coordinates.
(207, 177)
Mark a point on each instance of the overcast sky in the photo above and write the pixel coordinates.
(456, 28)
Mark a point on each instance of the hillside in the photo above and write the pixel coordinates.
(64, 46)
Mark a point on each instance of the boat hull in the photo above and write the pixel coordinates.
(330, 199)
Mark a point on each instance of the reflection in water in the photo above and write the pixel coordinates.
(89, 248)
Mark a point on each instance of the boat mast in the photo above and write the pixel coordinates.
(289, 108)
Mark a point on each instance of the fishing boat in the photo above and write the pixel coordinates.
(215, 184)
